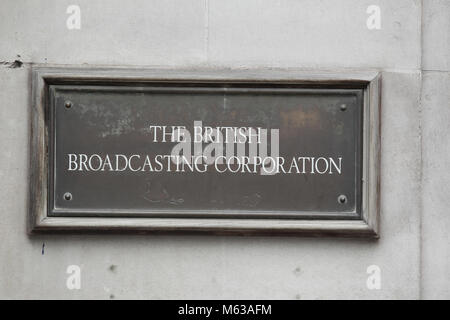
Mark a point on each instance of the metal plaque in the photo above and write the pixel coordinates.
(205, 149)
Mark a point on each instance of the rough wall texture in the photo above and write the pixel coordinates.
(412, 52)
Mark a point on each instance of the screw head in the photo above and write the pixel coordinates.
(342, 199)
(343, 107)
(67, 196)
(68, 104)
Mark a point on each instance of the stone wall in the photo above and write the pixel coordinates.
(412, 52)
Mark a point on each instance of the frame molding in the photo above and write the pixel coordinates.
(368, 226)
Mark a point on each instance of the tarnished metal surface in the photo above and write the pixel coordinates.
(92, 123)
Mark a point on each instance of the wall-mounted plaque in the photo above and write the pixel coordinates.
(224, 152)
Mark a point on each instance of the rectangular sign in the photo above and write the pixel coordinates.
(205, 149)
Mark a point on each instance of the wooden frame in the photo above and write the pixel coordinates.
(39, 221)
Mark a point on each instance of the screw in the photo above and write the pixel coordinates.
(343, 107)
(67, 196)
(68, 104)
(342, 199)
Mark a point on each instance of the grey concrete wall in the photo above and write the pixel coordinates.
(411, 50)
(435, 121)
